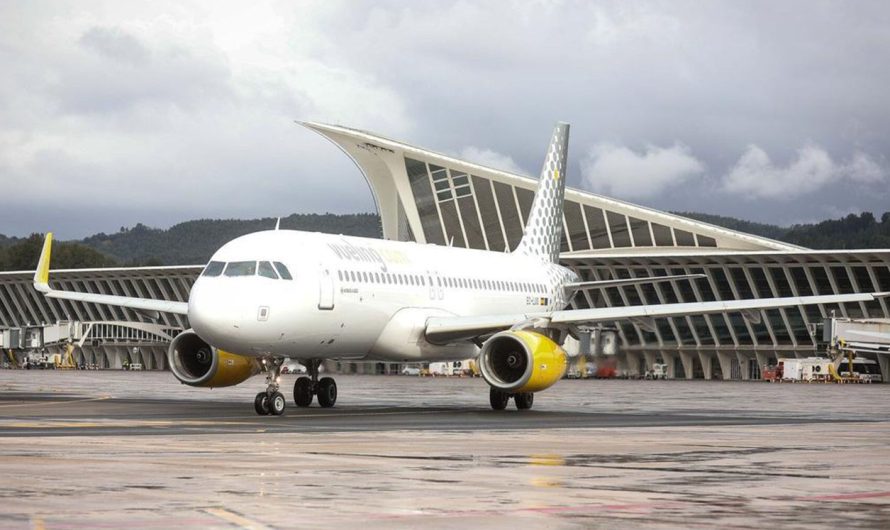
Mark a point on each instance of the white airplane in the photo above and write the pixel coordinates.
(279, 294)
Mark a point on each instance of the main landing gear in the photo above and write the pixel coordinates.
(305, 388)
(499, 399)
(271, 401)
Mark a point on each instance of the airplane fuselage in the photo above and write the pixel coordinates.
(358, 298)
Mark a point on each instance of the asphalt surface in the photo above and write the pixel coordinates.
(138, 450)
(26, 414)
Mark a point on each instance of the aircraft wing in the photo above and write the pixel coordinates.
(146, 306)
(441, 330)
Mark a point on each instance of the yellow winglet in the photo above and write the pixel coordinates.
(41, 275)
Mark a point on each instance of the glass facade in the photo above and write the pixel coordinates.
(732, 278)
(469, 210)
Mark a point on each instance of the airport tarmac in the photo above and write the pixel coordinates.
(119, 449)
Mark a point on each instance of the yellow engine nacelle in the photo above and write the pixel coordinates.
(196, 363)
(521, 361)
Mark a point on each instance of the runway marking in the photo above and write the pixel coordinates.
(42, 403)
(236, 519)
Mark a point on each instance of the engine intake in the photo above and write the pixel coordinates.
(196, 363)
(521, 361)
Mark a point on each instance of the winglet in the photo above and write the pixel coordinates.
(41, 275)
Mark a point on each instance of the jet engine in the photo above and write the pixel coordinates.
(521, 361)
(196, 363)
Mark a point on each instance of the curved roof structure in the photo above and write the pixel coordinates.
(434, 198)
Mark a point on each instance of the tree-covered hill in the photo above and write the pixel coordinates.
(852, 231)
(193, 242)
(21, 254)
(187, 243)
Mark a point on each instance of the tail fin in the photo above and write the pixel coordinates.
(543, 231)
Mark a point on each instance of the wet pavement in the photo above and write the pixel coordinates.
(117, 449)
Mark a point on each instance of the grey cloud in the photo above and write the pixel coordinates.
(755, 175)
(616, 169)
(115, 44)
(174, 108)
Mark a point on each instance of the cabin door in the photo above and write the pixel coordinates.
(325, 289)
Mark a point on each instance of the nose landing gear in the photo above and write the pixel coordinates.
(271, 401)
(305, 388)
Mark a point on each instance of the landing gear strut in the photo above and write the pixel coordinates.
(499, 399)
(305, 388)
(271, 401)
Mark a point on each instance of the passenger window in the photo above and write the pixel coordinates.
(282, 270)
(214, 268)
(266, 270)
(241, 268)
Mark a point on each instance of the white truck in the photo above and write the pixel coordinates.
(658, 371)
(810, 369)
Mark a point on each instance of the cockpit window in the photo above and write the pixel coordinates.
(241, 268)
(214, 268)
(282, 270)
(265, 270)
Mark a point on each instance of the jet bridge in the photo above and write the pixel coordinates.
(868, 338)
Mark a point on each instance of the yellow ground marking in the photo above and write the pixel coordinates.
(37, 523)
(236, 519)
(45, 403)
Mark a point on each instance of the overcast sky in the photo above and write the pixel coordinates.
(113, 113)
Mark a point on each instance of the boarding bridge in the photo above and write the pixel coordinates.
(97, 344)
(869, 338)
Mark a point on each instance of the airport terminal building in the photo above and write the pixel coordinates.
(427, 197)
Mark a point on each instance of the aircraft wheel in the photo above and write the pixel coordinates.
(261, 404)
(498, 399)
(303, 391)
(327, 392)
(524, 400)
(277, 403)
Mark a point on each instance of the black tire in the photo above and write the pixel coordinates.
(261, 404)
(327, 392)
(525, 400)
(303, 391)
(277, 404)
(498, 398)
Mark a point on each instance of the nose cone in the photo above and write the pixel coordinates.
(215, 315)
